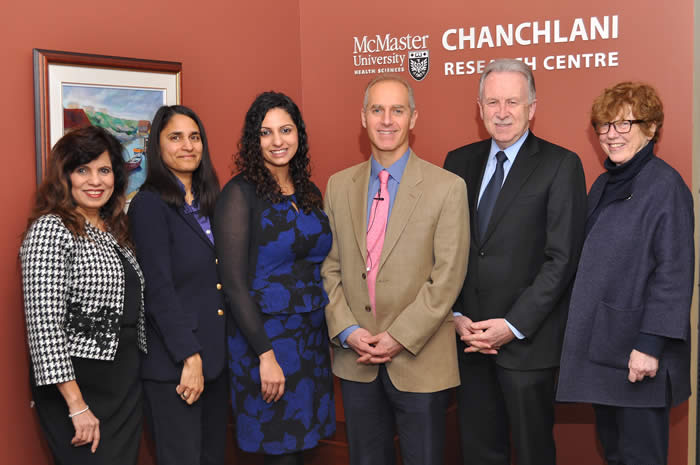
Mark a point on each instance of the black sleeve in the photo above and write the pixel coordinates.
(451, 166)
(232, 232)
(650, 344)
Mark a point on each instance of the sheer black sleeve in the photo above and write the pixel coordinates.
(232, 231)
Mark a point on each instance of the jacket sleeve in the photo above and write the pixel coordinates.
(150, 231)
(232, 230)
(436, 297)
(670, 285)
(338, 314)
(565, 228)
(46, 268)
(451, 164)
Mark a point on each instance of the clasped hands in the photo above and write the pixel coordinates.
(486, 336)
(373, 349)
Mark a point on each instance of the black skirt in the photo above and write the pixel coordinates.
(112, 389)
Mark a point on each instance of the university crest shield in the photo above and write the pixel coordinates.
(419, 64)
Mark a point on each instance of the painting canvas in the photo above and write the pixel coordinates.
(120, 94)
(125, 112)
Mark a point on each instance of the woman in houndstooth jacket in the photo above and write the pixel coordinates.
(83, 304)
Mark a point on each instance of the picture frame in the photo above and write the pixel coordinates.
(118, 93)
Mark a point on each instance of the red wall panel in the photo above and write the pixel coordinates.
(233, 50)
(651, 44)
(230, 51)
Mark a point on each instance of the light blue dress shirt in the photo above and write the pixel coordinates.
(511, 152)
(395, 173)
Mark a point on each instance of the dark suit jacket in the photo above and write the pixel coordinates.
(524, 267)
(184, 308)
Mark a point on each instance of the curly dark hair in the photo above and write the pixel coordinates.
(161, 180)
(250, 162)
(77, 148)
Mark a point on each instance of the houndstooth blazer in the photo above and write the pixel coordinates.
(73, 297)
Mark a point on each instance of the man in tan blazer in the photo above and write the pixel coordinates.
(394, 348)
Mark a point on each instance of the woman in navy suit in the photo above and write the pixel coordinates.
(184, 383)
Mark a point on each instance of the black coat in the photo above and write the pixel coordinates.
(183, 300)
(523, 269)
(635, 274)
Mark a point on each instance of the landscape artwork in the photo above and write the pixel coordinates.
(123, 111)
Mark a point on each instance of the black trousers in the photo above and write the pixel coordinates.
(495, 404)
(633, 436)
(375, 411)
(188, 434)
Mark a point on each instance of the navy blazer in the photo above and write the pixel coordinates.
(184, 303)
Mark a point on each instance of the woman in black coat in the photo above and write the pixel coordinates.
(184, 382)
(627, 342)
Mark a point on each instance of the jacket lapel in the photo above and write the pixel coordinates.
(357, 201)
(598, 189)
(476, 177)
(596, 193)
(192, 223)
(407, 197)
(525, 163)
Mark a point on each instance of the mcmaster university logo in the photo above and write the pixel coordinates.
(389, 53)
(418, 64)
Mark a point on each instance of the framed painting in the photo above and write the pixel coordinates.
(120, 94)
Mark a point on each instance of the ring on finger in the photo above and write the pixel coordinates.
(184, 395)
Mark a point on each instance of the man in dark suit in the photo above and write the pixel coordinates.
(527, 198)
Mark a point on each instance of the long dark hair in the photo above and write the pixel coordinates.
(249, 159)
(76, 148)
(161, 180)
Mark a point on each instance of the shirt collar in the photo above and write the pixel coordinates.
(512, 151)
(187, 207)
(395, 170)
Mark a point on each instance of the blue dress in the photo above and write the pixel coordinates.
(270, 257)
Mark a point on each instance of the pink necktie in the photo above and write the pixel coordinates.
(379, 213)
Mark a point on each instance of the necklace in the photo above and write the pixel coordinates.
(287, 188)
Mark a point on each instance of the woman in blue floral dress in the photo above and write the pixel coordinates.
(271, 238)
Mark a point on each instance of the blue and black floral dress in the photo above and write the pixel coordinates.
(270, 257)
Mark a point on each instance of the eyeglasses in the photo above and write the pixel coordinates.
(622, 126)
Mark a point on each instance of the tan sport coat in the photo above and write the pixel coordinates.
(421, 271)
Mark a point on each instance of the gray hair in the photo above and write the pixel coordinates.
(395, 78)
(509, 65)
